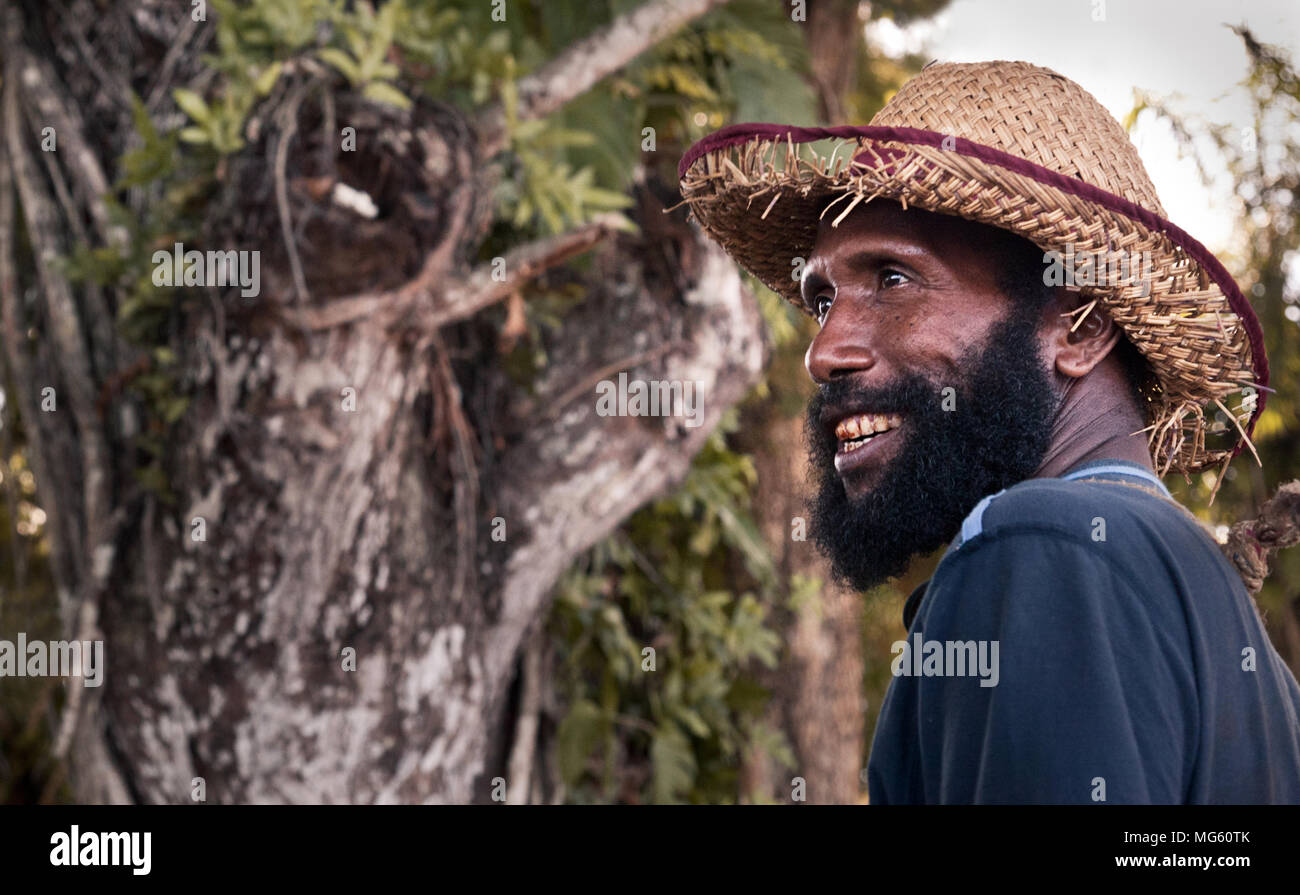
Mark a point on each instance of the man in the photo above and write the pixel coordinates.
(1083, 639)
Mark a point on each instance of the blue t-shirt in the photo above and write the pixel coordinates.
(1084, 640)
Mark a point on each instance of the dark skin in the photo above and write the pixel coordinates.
(910, 290)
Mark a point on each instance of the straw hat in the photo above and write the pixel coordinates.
(1022, 148)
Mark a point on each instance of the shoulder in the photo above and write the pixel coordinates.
(1057, 567)
(1085, 512)
(1121, 550)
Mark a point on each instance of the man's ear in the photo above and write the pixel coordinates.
(1076, 345)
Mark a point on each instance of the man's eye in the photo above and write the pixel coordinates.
(891, 278)
(823, 304)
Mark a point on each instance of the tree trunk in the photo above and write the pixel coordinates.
(817, 690)
(834, 35)
(354, 471)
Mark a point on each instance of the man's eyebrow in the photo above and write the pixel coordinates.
(866, 259)
(810, 284)
(859, 262)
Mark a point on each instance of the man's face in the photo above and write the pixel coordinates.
(932, 389)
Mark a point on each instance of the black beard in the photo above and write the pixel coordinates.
(996, 436)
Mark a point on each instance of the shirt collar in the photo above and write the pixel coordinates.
(1117, 470)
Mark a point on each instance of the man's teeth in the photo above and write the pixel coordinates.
(855, 431)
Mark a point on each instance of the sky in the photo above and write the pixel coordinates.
(1172, 48)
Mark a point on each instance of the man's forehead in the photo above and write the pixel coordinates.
(887, 222)
(879, 220)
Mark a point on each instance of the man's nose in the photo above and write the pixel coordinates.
(839, 349)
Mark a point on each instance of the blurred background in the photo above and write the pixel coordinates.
(760, 672)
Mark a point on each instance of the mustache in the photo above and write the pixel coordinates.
(909, 394)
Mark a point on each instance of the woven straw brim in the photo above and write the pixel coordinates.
(760, 193)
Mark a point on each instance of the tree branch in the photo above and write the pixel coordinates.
(288, 128)
(103, 337)
(16, 362)
(524, 749)
(479, 290)
(64, 327)
(574, 476)
(40, 86)
(180, 48)
(579, 67)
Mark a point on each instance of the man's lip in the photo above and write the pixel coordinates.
(831, 414)
(855, 425)
(869, 454)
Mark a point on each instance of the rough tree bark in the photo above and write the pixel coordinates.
(328, 524)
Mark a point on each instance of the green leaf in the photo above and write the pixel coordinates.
(528, 131)
(673, 763)
(551, 136)
(381, 39)
(550, 214)
(386, 93)
(577, 737)
(383, 72)
(594, 197)
(266, 80)
(192, 105)
(523, 213)
(342, 61)
(356, 41)
(692, 720)
(174, 408)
